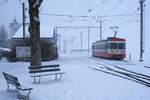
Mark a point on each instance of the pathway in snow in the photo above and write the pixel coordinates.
(79, 82)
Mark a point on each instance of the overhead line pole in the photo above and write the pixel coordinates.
(23, 18)
(81, 41)
(141, 30)
(88, 40)
(100, 29)
(80, 27)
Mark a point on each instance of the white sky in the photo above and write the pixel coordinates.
(128, 29)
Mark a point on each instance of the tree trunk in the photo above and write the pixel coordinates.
(34, 30)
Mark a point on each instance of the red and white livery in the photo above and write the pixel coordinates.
(111, 48)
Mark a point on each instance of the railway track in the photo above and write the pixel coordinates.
(123, 73)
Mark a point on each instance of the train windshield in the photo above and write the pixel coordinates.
(117, 45)
(121, 45)
(113, 45)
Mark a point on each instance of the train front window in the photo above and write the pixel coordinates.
(113, 45)
(121, 45)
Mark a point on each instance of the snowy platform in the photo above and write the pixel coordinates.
(79, 82)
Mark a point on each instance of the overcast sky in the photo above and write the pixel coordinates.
(128, 25)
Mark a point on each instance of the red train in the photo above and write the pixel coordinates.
(111, 48)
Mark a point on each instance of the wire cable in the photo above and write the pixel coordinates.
(115, 6)
(85, 16)
(81, 5)
(100, 4)
(126, 11)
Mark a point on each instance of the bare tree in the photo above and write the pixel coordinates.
(34, 30)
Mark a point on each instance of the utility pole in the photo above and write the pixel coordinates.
(81, 41)
(71, 44)
(100, 29)
(141, 29)
(59, 43)
(88, 40)
(65, 46)
(23, 19)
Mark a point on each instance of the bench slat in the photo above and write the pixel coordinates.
(43, 66)
(47, 74)
(44, 70)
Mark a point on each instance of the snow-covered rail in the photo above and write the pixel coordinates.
(122, 72)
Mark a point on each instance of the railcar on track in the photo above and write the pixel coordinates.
(111, 48)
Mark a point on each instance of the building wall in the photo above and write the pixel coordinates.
(48, 48)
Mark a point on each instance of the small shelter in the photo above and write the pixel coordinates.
(21, 46)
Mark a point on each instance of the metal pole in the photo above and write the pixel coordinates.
(141, 30)
(23, 18)
(71, 44)
(81, 41)
(88, 40)
(100, 29)
(64, 46)
(59, 42)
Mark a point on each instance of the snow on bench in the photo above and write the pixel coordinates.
(45, 70)
(13, 80)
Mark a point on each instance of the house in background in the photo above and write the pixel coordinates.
(21, 47)
(13, 27)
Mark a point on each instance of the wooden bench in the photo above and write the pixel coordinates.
(13, 80)
(45, 70)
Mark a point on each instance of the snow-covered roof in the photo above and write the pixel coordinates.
(45, 32)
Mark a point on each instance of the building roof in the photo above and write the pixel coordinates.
(45, 32)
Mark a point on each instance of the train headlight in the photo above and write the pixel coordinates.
(123, 51)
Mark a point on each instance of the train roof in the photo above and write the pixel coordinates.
(115, 39)
(110, 39)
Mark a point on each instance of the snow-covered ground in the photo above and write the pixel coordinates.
(79, 82)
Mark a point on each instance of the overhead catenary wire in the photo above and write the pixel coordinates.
(77, 9)
(109, 11)
(98, 5)
(134, 12)
(115, 6)
(84, 16)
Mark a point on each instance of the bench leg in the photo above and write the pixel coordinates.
(55, 76)
(34, 80)
(7, 86)
(39, 79)
(60, 76)
(18, 94)
(27, 97)
(23, 97)
(10, 90)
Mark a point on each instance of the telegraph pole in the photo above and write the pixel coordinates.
(141, 29)
(88, 40)
(59, 43)
(72, 44)
(81, 41)
(100, 29)
(23, 18)
(65, 46)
